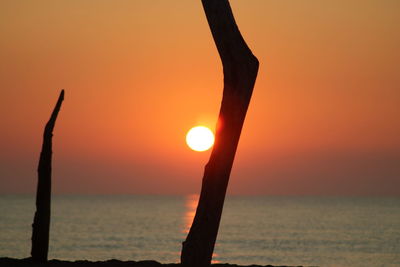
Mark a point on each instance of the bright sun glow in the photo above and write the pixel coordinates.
(200, 138)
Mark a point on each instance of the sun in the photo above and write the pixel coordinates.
(200, 138)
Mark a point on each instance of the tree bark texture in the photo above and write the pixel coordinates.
(41, 221)
(240, 68)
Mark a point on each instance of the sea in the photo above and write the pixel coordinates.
(277, 230)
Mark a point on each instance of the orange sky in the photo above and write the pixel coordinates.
(324, 117)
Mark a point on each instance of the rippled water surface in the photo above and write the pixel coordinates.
(324, 231)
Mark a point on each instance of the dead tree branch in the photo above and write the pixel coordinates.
(240, 68)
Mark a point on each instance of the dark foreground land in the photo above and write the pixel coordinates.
(8, 262)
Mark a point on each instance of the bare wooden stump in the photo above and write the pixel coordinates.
(41, 221)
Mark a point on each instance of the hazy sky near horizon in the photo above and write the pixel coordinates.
(137, 74)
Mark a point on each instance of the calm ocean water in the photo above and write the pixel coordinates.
(324, 231)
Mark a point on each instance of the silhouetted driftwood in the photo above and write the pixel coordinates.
(240, 69)
(41, 222)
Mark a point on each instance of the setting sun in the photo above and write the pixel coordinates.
(200, 138)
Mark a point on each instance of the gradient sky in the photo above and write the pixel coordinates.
(323, 120)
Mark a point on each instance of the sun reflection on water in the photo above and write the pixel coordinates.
(190, 206)
(191, 202)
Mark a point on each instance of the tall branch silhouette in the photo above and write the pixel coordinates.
(240, 68)
(41, 221)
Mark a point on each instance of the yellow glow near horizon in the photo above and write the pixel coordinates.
(200, 138)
